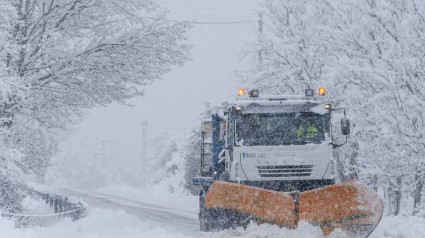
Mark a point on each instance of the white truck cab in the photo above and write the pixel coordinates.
(282, 143)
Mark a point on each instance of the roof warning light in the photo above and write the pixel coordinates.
(240, 92)
(322, 91)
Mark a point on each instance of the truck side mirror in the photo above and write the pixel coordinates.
(345, 127)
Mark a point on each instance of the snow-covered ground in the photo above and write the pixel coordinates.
(122, 211)
(158, 206)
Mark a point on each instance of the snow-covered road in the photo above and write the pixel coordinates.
(179, 220)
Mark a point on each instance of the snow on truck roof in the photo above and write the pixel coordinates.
(278, 100)
(269, 100)
(280, 104)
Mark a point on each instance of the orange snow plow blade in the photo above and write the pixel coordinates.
(352, 206)
(266, 205)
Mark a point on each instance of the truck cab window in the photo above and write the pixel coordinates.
(280, 129)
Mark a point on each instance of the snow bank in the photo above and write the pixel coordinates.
(253, 230)
(104, 224)
(389, 227)
(100, 224)
(400, 227)
(8, 230)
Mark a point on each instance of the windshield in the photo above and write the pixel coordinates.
(281, 129)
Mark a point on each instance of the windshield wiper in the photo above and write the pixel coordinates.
(299, 143)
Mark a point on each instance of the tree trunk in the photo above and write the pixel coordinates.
(388, 191)
(417, 193)
(375, 182)
(398, 196)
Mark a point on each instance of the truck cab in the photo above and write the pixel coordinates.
(281, 143)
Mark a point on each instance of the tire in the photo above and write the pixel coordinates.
(203, 214)
(214, 219)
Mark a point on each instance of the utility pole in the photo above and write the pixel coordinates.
(260, 23)
(143, 147)
(260, 35)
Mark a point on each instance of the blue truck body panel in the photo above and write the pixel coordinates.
(217, 145)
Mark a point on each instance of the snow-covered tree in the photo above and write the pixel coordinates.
(379, 46)
(289, 59)
(192, 158)
(60, 58)
(370, 55)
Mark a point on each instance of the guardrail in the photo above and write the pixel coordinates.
(62, 207)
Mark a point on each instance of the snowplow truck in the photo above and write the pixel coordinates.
(269, 159)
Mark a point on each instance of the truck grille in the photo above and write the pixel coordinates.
(285, 171)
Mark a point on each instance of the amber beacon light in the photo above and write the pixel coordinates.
(322, 91)
(240, 92)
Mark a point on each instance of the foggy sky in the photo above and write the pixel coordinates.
(174, 103)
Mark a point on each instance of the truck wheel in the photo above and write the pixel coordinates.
(213, 219)
(203, 214)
